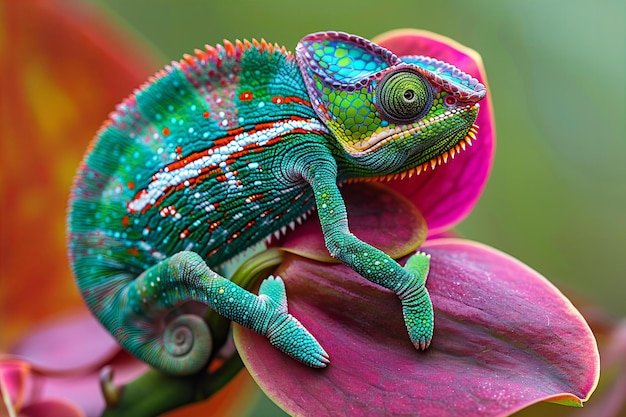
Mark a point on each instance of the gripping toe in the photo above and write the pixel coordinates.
(292, 338)
(274, 288)
(419, 320)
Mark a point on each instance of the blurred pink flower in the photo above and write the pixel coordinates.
(56, 368)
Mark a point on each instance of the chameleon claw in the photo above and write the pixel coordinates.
(418, 318)
(422, 345)
(292, 338)
(285, 331)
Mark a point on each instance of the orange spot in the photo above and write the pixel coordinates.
(131, 185)
(166, 131)
(290, 99)
(234, 132)
(245, 96)
(205, 114)
(214, 226)
(133, 251)
(125, 221)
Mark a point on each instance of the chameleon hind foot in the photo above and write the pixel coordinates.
(417, 307)
(284, 331)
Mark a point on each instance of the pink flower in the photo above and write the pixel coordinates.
(55, 371)
(505, 337)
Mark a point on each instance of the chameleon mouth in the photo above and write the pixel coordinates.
(376, 141)
(432, 163)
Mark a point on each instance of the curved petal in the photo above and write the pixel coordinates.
(51, 408)
(377, 215)
(15, 381)
(65, 357)
(84, 389)
(73, 344)
(504, 338)
(447, 194)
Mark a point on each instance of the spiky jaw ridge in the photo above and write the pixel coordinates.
(378, 140)
(432, 163)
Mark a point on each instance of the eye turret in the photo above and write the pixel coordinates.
(403, 96)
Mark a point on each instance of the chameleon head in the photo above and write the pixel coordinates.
(391, 114)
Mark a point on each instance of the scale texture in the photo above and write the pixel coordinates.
(232, 145)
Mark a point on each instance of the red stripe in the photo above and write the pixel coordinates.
(212, 170)
(218, 143)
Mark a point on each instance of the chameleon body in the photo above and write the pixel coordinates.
(233, 144)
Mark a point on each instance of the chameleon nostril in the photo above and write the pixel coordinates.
(450, 100)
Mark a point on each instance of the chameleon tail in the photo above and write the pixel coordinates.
(146, 314)
(138, 313)
(158, 329)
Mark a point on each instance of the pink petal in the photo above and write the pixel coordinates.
(15, 378)
(376, 214)
(611, 397)
(447, 194)
(64, 359)
(68, 344)
(84, 390)
(504, 338)
(51, 408)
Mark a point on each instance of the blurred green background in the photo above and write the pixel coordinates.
(557, 194)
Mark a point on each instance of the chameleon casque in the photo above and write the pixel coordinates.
(235, 143)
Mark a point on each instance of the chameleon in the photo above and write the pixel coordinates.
(238, 142)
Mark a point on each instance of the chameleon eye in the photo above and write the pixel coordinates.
(403, 96)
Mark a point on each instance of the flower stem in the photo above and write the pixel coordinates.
(255, 268)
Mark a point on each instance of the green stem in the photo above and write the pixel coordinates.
(155, 393)
(249, 273)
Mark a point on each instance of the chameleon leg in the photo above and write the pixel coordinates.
(186, 277)
(376, 266)
(416, 305)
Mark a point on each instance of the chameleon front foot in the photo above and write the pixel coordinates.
(418, 317)
(417, 307)
(285, 332)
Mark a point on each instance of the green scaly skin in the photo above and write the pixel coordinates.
(232, 145)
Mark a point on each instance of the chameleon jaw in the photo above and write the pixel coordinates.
(378, 140)
(432, 163)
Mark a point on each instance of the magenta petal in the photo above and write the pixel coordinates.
(68, 345)
(504, 338)
(377, 215)
(84, 390)
(447, 194)
(15, 378)
(64, 361)
(51, 408)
